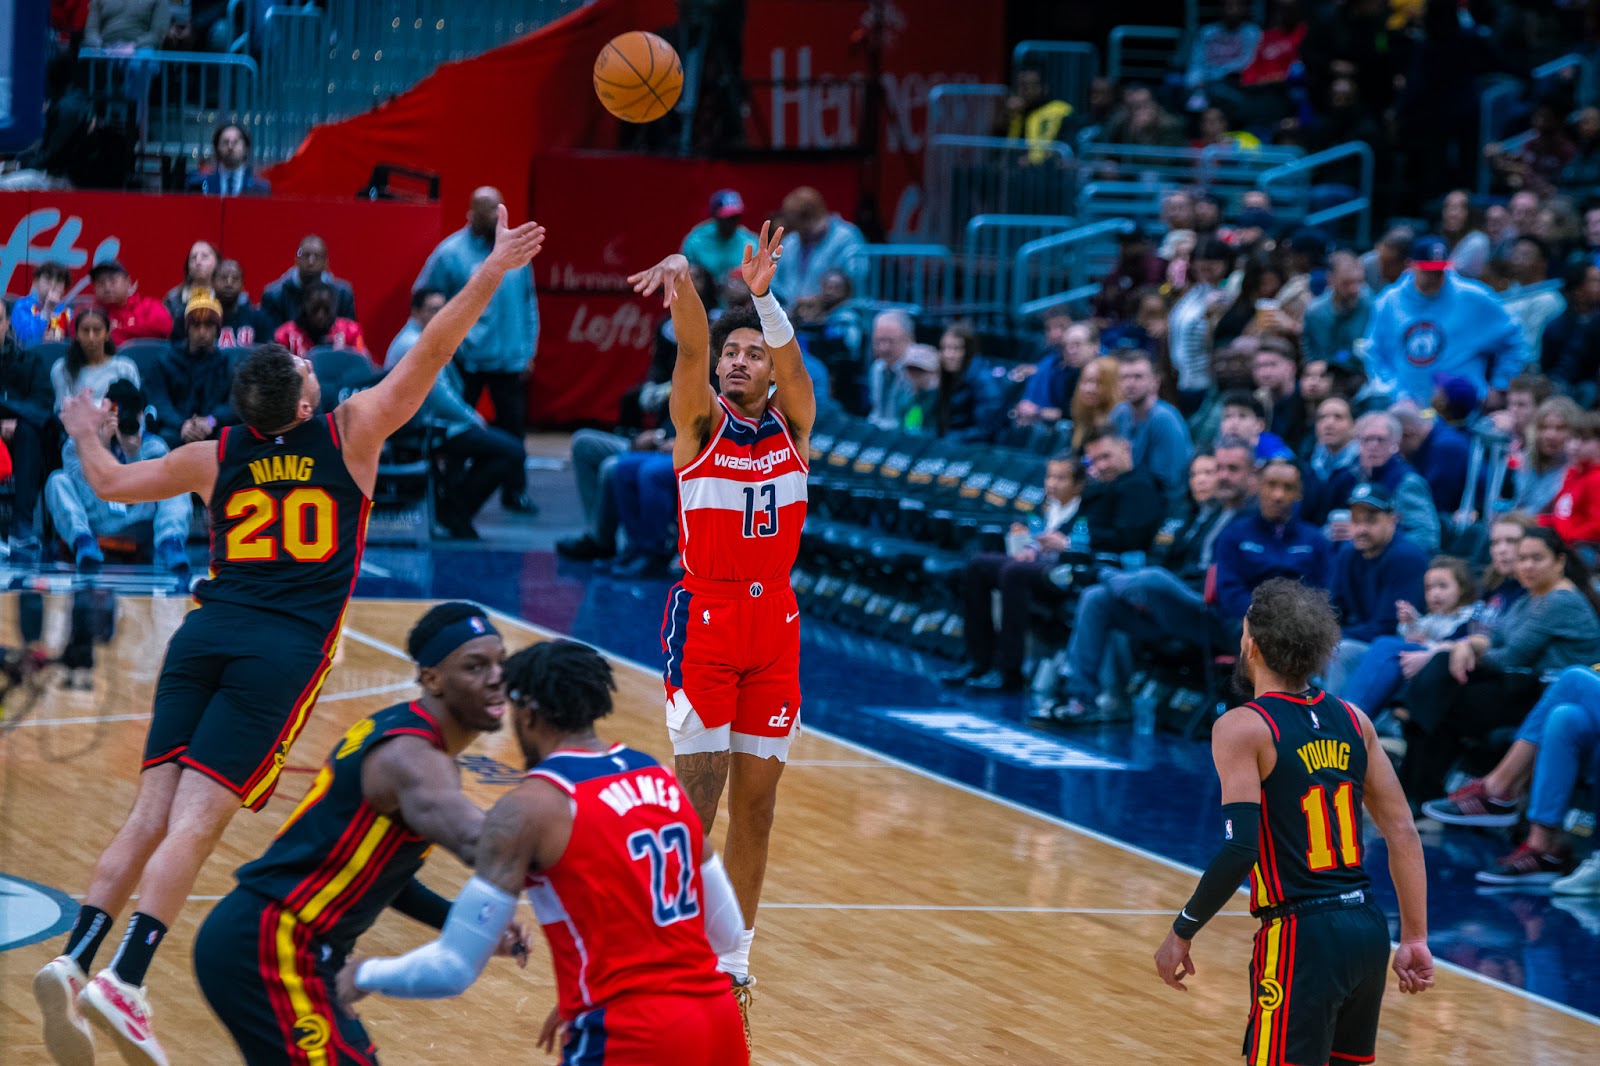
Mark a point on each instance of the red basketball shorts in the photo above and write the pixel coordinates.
(732, 673)
(658, 1030)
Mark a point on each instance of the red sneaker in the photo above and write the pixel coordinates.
(123, 1013)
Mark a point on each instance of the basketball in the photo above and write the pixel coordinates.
(638, 76)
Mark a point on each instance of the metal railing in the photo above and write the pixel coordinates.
(1498, 106)
(1221, 169)
(1101, 200)
(1142, 53)
(295, 55)
(964, 110)
(1067, 67)
(1290, 187)
(967, 176)
(1064, 270)
(988, 253)
(1197, 13)
(180, 96)
(918, 278)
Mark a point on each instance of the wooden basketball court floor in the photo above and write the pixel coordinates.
(907, 920)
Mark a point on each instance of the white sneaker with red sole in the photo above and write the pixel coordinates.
(122, 1012)
(66, 1032)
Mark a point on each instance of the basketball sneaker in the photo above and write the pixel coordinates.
(743, 994)
(122, 1012)
(1584, 881)
(67, 1035)
(1471, 804)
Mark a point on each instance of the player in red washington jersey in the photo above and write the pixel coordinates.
(731, 635)
(616, 865)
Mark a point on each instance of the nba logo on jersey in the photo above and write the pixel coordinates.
(1314, 723)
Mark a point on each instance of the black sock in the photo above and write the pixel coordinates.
(88, 933)
(138, 948)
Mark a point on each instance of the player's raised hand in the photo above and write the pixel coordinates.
(515, 247)
(551, 1032)
(1413, 964)
(666, 275)
(761, 259)
(346, 984)
(1173, 963)
(82, 414)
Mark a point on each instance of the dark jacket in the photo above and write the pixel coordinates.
(25, 389)
(1570, 347)
(1442, 461)
(1193, 545)
(1252, 550)
(975, 409)
(184, 384)
(209, 183)
(1365, 590)
(1124, 514)
(281, 302)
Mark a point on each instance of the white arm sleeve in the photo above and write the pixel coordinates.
(724, 920)
(448, 966)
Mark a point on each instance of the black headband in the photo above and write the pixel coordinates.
(452, 636)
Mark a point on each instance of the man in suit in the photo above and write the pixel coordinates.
(233, 175)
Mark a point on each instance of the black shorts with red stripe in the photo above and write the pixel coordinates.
(274, 987)
(235, 691)
(1318, 978)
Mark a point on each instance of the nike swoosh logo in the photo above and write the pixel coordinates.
(792, 617)
(1186, 915)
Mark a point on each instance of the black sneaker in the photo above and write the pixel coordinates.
(584, 549)
(997, 681)
(1471, 804)
(1527, 867)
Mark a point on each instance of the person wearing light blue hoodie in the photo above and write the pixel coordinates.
(1434, 321)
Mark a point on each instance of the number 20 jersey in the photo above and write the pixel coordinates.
(623, 909)
(742, 501)
(288, 523)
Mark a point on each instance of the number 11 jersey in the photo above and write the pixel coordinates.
(742, 501)
(624, 907)
(288, 523)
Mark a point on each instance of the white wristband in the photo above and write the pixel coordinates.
(775, 327)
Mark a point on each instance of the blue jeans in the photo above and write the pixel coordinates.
(1377, 677)
(1565, 724)
(645, 489)
(1150, 603)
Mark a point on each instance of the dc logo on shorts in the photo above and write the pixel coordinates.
(781, 719)
(755, 588)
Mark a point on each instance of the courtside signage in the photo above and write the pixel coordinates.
(1019, 746)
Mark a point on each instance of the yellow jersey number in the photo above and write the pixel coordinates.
(305, 520)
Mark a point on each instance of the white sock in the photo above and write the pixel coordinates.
(736, 963)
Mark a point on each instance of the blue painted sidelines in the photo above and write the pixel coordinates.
(1155, 796)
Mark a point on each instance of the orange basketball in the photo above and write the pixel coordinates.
(638, 77)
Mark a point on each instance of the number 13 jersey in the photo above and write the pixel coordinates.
(742, 501)
(288, 523)
(624, 907)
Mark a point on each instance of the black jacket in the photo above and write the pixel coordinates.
(1123, 515)
(282, 299)
(1571, 347)
(1189, 555)
(183, 384)
(25, 389)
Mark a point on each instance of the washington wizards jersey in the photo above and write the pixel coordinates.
(1311, 802)
(742, 501)
(336, 863)
(288, 523)
(623, 908)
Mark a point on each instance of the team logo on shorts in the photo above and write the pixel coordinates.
(1271, 994)
(310, 1032)
(756, 589)
(781, 719)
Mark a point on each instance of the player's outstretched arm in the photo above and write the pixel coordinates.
(1237, 743)
(1386, 801)
(369, 417)
(692, 403)
(796, 396)
(526, 830)
(191, 468)
(411, 777)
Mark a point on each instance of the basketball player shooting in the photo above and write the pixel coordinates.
(1296, 764)
(731, 634)
(289, 492)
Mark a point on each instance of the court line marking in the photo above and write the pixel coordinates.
(332, 697)
(1093, 834)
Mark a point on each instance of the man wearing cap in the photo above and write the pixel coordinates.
(1379, 461)
(1433, 321)
(917, 407)
(1376, 570)
(81, 517)
(498, 354)
(133, 315)
(717, 245)
(190, 385)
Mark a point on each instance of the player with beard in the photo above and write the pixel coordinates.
(270, 951)
(1296, 764)
(621, 878)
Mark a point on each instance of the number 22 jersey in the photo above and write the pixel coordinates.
(288, 523)
(623, 909)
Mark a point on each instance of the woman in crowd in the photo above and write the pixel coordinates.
(1490, 681)
(1450, 597)
(970, 406)
(1543, 463)
(1189, 327)
(1461, 225)
(1202, 483)
(199, 270)
(1263, 277)
(1097, 393)
(91, 361)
